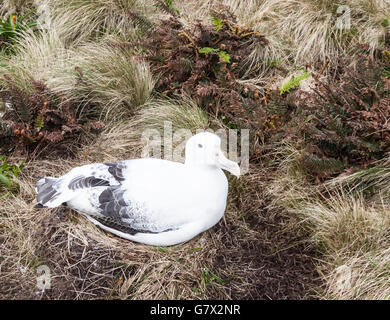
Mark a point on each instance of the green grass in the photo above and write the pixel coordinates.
(14, 26)
(8, 173)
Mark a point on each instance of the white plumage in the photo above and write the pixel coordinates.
(152, 201)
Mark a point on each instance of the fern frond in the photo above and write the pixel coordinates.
(293, 83)
(168, 7)
(39, 122)
(140, 21)
(318, 165)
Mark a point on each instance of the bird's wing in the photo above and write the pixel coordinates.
(52, 192)
(118, 212)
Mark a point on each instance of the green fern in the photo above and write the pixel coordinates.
(207, 50)
(222, 54)
(293, 83)
(140, 21)
(39, 122)
(218, 23)
(7, 174)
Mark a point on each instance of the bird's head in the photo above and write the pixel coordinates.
(205, 149)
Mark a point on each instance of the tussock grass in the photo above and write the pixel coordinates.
(107, 77)
(104, 77)
(354, 237)
(36, 55)
(312, 26)
(343, 223)
(305, 30)
(347, 225)
(78, 21)
(175, 113)
(291, 184)
(361, 277)
(135, 135)
(373, 181)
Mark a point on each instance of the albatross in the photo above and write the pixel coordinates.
(147, 200)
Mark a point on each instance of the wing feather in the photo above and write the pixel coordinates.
(119, 213)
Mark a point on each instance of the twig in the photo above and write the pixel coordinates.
(229, 26)
(185, 34)
(268, 90)
(323, 69)
(250, 33)
(188, 37)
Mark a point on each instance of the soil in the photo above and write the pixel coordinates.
(281, 265)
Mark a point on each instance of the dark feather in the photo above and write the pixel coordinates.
(119, 225)
(46, 190)
(81, 182)
(116, 169)
(114, 208)
(122, 226)
(113, 204)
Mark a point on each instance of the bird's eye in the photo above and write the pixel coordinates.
(200, 145)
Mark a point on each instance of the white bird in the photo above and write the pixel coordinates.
(152, 201)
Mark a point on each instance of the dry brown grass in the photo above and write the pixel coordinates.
(128, 133)
(304, 31)
(109, 78)
(353, 234)
(79, 21)
(347, 219)
(36, 55)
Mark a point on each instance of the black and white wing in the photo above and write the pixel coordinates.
(52, 192)
(118, 212)
(121, 196)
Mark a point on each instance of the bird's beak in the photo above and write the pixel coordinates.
(228, 165)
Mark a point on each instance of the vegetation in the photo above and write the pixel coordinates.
(347, 120)
(309, 220)
(293, 83)
(7, 174)
(12, 27)
(41, 119)
(204, 62)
